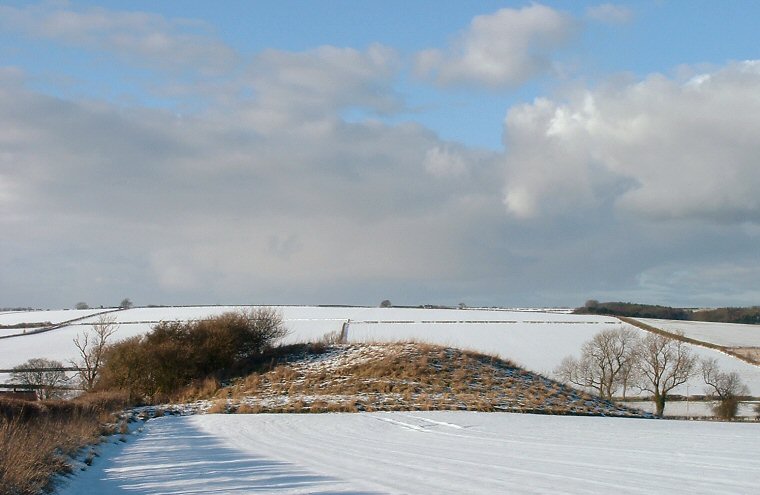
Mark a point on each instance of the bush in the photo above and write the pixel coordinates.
(726, 387)
(174, 354)
(727, 408)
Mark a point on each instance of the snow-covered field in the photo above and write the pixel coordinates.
(535, 340)
(426, 452)
(725, 334)
(55, 316)
(308, 323)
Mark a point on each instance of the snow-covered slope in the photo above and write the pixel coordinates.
(54, 316)
(426, 452)
(725, 334)
(537, 341)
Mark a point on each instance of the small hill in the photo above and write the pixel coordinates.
(403, 376)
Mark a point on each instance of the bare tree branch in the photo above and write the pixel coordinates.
(91, 346)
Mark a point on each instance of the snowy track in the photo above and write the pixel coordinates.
(428, 452)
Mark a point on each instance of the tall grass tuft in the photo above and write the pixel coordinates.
(37, 439)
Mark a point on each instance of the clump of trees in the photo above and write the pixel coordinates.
(46, 376)
(606, 363)
(750, 315)
(175, 354)
(619, 359)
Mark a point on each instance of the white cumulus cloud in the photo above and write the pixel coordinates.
(505, 48)
(660, 147)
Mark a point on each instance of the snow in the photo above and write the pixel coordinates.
(53, 316)
(522, 338)
(535, 340)
(538, 343)
(724, 334)
(426, 452)
(307, 323)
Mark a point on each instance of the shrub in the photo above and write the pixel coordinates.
(173, 355)
(726, 387)
(727, 408)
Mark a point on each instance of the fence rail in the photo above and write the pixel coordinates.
(21, 386)
(41, 370)
(60, 325)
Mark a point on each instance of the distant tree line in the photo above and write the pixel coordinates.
(747, 315)
(750, 315)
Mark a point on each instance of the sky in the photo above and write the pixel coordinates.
(342, 152)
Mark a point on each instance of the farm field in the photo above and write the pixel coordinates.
(723, 334)
(470, 328)
(535, 340)
(425, 452)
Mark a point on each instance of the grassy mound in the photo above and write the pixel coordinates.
(403, 376)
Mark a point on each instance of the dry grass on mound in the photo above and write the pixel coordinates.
(404, 376)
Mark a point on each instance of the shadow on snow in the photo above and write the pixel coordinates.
(174, 457)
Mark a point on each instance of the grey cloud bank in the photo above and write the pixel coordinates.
(638, 190)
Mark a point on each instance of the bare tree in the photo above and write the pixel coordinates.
(664, 363)
(91, 346)
(81, 305)
(727, 388)
(125, 303)
(606, 362)
(578, 372)
(43, 374)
